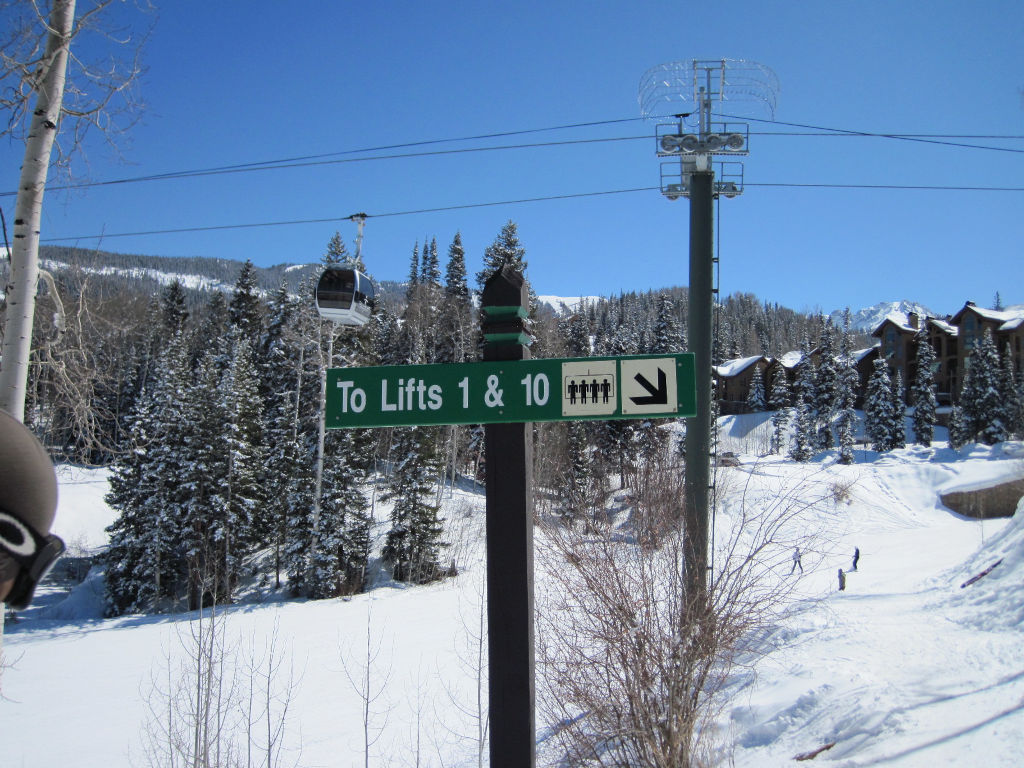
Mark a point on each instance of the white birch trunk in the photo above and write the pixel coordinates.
(21, 299)
(28, 210)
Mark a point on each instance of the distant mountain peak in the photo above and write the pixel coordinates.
(867, 319)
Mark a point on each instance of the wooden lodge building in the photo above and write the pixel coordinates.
(951, 338)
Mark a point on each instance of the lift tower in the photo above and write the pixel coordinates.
(692, 141)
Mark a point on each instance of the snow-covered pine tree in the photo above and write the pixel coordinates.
(430, 274)
(878, 410)
(922, 391)
(980, 397)
(755, 398)
(959, 431)
(342, 511)
(825, 386)
(1009, 395)
(413, 543)
(336, 252)
(847, 383)
(455, 343)
(668, 338)
(245, 524)
(246, 308)
(897, 427)
(131, 557)
(150, 565)
(213, 332)
(173, 310)
(413, 282)
(1017, 423)
(803, 432)
(282, 472)
(805, 397)
(778, 401)
(575, 491)
(506, 249)
(204, 470)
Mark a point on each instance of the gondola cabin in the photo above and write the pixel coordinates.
(345, 296)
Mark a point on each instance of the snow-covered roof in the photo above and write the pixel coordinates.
(735, 367)
(952, 330)
(1008, 319)
(860, 354)
(791, 359)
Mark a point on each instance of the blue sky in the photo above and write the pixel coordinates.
(233, 83)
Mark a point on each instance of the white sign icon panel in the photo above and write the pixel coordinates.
(649, 385)
(589, 388)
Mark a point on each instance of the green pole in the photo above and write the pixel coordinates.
(698, 431)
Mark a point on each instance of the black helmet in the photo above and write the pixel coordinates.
(28, 504)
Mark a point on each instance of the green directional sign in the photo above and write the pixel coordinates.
(634, 387)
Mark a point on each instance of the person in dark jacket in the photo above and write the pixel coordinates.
(28, 505)
(856, 557)
(842, 581)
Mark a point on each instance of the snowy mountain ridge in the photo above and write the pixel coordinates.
(867, 319)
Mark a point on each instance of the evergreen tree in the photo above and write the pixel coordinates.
(132, 557)
(897, 426)
(755, 398)
(413, 543)
(1009, 395)
(805, 396)
(414, 274)
(144, 563)
(878, 407)
(980, 397)
(506, 249)
(825, 387)
(282, 477)
(578, 480)
(668, 339)
(430, 274)
(959, 431)
(779, 403)
(246, 308)
(242, 526)
(455, 272)
(336, 253)
(204, 478)
(922, 392)
(213, 332)
(847, 383)
(172, 305)
(803, 432)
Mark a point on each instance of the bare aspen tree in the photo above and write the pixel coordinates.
(364, 678)
(41, 87)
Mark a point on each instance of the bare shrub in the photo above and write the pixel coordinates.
(218, 705)
(632, 669)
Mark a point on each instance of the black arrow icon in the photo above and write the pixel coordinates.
(658, 395)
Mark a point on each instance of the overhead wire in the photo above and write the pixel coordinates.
(493, 203)
(870, 134)
(339, 157)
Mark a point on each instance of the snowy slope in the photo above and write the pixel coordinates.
(904, 668)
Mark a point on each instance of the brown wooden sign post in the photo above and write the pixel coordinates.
(505, 303)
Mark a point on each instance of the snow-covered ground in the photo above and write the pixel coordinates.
(903, 668)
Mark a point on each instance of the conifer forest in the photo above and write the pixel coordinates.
(205, 401)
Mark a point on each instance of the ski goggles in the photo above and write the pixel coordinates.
(34, 552)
